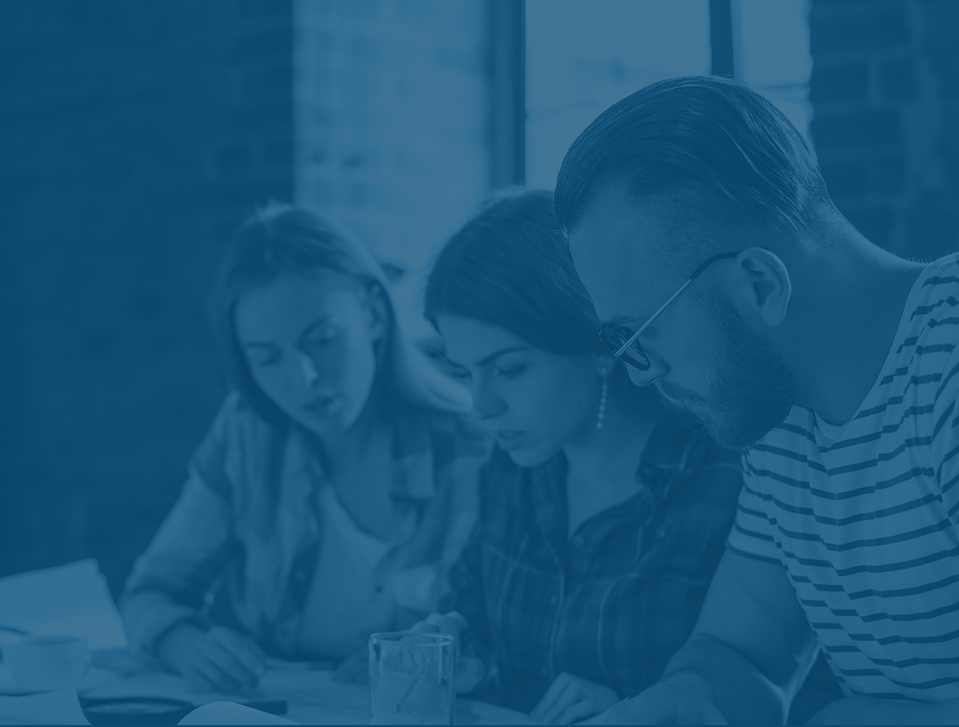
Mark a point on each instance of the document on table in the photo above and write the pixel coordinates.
(231, 713)
(68, 600)
(313, 696)
(63, 708)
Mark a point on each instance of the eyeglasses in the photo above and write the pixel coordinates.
(624, 344)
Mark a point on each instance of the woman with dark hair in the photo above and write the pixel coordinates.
(336, 484)
(603, 513)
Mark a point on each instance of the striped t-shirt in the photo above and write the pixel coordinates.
(865, 516)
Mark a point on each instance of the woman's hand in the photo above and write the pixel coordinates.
(678, 699)
(223, 660)
(355, 668)
(571, 698)
(469, 670)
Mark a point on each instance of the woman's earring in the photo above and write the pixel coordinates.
(601, 415)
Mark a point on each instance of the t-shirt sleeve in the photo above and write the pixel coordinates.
(752, 531)
(944, 439)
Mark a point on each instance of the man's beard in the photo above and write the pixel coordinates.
(752, 390)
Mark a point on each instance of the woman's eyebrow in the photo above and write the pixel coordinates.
(321, 321)
(496, 354)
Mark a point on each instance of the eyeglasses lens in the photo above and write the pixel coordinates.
(633, 356)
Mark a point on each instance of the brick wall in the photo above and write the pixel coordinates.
(392, 124)
(133, 136)
(885, 94)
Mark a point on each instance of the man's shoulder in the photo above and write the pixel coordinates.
(933, 305)
(925, 353)
(797, 434)
(785, 454)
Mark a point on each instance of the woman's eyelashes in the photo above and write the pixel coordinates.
(507, 372)
(321, 337)
(510, 371)
(316, 340)
(461, 372)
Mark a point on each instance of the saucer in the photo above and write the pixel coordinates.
(94, 678)
(9, 688)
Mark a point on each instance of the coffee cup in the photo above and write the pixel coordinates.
(46, 663)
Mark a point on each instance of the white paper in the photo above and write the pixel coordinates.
(231, 713)
(68, 600)
(60, 707)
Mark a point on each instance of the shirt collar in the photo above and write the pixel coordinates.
(548, 483)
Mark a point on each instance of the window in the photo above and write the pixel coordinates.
(773, 53)
(584, 55)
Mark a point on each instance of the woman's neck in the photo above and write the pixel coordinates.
(341, 451)
(605, 460)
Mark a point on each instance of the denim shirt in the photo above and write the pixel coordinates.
(240, 546)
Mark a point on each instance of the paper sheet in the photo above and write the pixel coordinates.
(68, 600)
(61, 707)
(231, 713)
(313, 697)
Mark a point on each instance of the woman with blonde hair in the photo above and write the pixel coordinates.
(333, 489)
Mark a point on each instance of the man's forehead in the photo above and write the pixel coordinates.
(615, 247)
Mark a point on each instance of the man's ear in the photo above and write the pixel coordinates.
(763, 287)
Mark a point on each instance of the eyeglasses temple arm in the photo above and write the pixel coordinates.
(639, 332)
(654, 316)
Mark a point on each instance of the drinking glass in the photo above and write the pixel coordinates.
(411, 678)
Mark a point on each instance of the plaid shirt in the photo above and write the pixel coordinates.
(617, 600)
(241, 544)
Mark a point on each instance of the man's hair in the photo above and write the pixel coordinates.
(718, 138)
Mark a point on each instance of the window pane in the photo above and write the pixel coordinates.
(775, 42)
(774, 54)
(583, 55)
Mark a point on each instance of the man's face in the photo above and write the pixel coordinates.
(703, 356)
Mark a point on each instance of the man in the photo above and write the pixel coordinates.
(699, 222)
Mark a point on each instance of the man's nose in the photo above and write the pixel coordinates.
(647, 377)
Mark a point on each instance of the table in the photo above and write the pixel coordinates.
(313, 697)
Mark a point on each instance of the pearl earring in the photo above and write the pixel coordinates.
(601, 414)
